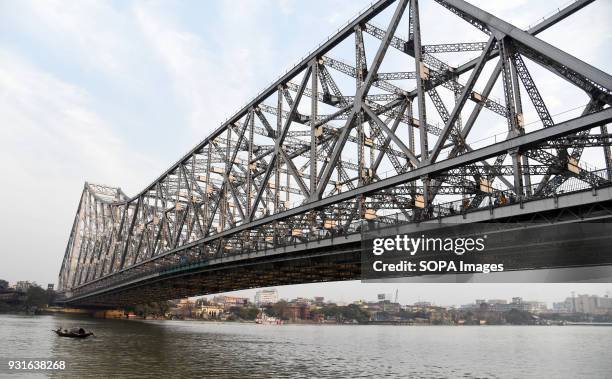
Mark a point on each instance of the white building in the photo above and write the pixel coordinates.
(268, 296)
(590, 304)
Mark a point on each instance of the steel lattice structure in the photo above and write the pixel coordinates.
(305, 159)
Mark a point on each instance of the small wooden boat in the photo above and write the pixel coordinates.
(73, 333)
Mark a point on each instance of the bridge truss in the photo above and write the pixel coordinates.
(333, 143)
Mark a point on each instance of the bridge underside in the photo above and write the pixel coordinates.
(370, 129)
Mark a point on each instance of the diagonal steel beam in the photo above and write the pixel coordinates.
(461, 101)
(279, 142)
(413, 159)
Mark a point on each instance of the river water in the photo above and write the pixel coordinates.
(160, 349)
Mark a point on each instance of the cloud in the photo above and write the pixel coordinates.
(93, 27)
(211, 80)
(50, 138)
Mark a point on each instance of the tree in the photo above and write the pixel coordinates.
(154, 308)
(243, 313)
(354, 312)
(518, 317)
(278, 309)
(187, 310)
(3, 284)
(162, 307)
(36, 297)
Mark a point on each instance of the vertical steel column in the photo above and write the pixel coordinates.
(411, 139)
(279, 126)
(361, 73)
(249, 192)
(513, 127)
(410, 28)
(606, 149)
(223, 212)
(520, 124)
(207, 192)
(313, 130)
(277, 178)
(420, 83)
(314, 102)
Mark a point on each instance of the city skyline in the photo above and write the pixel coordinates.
(439, 293)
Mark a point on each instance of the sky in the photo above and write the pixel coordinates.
(114, 92)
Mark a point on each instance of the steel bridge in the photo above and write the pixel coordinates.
(371, 129)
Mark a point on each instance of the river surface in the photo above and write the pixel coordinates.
(183, 349)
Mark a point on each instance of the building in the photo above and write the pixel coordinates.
(50, 287)
(524, 305)
(562, 307)
(590, 304)
(500, 305)
(299, 311)
(228, 302)
(302, 300)
(423, 304)
(267, 296)
(23, 286)
(208, 311)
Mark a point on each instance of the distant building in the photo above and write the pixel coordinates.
(528, 306)
(384, 296)
(499, 305)
(267, 296)
(231, 301)
(319, 300)
(208, 311)
(302, 300)
(562, 307)
(185, 303)
(590, 304)
(23, 286)
(297, 312)
(183, 308)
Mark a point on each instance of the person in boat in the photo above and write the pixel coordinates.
(81, 331)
